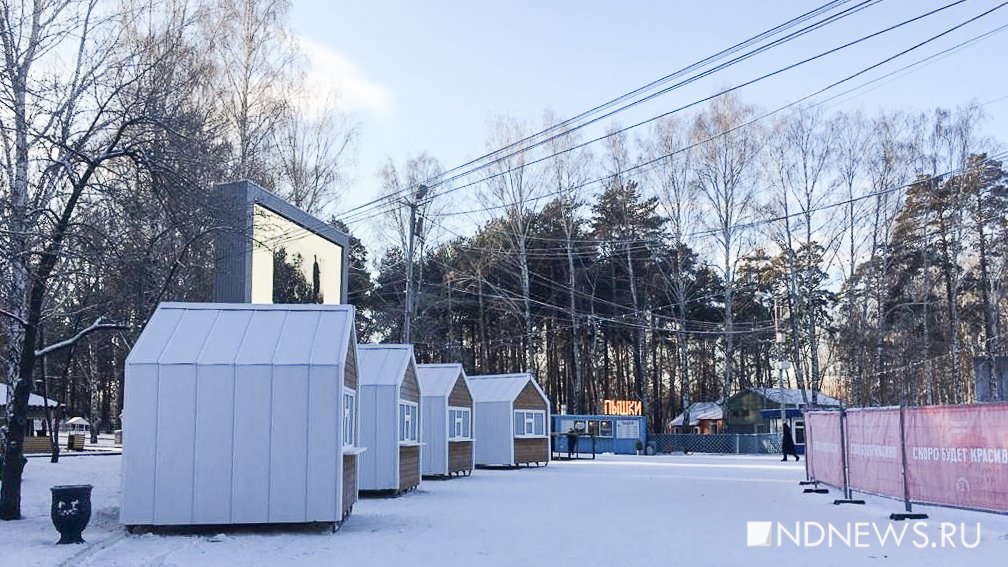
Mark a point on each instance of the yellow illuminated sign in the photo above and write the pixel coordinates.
(622, 407)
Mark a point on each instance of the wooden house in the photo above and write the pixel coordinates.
(37, 435)
(757, 410)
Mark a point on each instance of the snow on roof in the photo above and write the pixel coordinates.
(701, 410)
(383, 365)
(34, 400)
(791, 396)
(245, 334)
(77, 421)
(500, 387)
(438, 380)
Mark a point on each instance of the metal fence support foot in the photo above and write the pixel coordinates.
(907, 516)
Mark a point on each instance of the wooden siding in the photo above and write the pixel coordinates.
(460, 457)
(37, 445)
(349, 483)
(410, 390)
(459, 396)
(409, 467)
(534, 450)
(529, 398)
(350, 374)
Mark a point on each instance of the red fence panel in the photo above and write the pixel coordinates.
(874, 459)
(958, 455)
(822, 449)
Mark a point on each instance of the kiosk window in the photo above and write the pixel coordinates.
(600, 428)
(408, 413)
(459, 424)
(530, 423)
(349, 418)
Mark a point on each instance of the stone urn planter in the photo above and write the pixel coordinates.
(71, 511)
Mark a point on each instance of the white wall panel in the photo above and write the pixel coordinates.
(289, 444)
(434, 435)
(139, 444)
(176, 429)
(325, 422)
(493, 433)
(214, 445)
(252, 418)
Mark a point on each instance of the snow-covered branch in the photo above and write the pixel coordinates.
(100, 324)
(13, 316)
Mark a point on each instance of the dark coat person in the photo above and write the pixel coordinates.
(572, 439)
(787, 444)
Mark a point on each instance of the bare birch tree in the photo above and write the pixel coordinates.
(888, 171)
(679, 197)
(725, 164)
(513, 187)
(567, 172)
(69, 127)
(313, 150)
(800, 154)
(852, 139)
(256, 60)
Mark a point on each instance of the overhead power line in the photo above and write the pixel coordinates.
(565, 125)
(778, 71)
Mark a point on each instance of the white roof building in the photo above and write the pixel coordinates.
(34, 400)
(239, 414)
(447, 413)
(511, 420)
(700, 411)
(793, 397)
(390, 418)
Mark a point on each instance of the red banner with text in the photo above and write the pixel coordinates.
(958, 456)
(955, 455)
(822, 449)
(874, 459)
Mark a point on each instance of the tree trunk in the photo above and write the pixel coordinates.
(575, 334)
(951, 298)
(989, 312)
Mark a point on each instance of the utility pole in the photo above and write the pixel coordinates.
(453, 349)
(779, 343)
(781, 364)
(418, 195)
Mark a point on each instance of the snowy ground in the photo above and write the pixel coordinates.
(688, 510)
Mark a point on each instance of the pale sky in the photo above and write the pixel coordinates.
(427, 76)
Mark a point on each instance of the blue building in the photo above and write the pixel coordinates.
(610, 433)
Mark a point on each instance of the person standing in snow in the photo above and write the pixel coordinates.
(571, 443)
(787, 445)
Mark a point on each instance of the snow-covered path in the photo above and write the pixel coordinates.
(614, 510)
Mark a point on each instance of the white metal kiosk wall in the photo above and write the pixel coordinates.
(233, 413)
